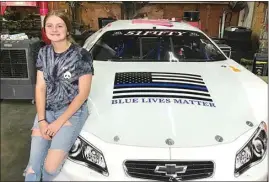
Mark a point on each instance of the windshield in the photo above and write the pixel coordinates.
(154, 46)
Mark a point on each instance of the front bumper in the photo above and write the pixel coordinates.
(75, 172)
(223, 157)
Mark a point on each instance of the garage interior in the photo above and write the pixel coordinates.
(240, 29)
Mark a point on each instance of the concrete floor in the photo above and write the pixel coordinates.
(17, 117)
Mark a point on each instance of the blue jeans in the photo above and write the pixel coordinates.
(63, 140)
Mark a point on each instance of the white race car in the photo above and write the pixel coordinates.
(167, 104)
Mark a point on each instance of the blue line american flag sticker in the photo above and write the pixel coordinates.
(160, 87)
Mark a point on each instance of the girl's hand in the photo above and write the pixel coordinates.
(53, 128)
(43, 125)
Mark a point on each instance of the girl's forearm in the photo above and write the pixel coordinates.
(40, 99)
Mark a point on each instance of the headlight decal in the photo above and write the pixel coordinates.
(86, 154)
(253, 151)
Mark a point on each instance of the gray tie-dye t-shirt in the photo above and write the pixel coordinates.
(61, 73)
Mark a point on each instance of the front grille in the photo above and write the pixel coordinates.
(13, 64)
(146, 169)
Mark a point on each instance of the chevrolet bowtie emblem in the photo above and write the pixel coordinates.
(171, 170)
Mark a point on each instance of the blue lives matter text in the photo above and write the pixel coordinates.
(162, 101)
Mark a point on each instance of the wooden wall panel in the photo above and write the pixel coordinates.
(209, 13)
(258, 18)
(57, 5)
(257, 23)
(213, 14)
(92, 11)
(235, 19)
(153, 11)
(171, 11)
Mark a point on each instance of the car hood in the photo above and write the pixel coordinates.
(169, 122)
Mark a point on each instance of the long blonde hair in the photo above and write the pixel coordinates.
(66, 20)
